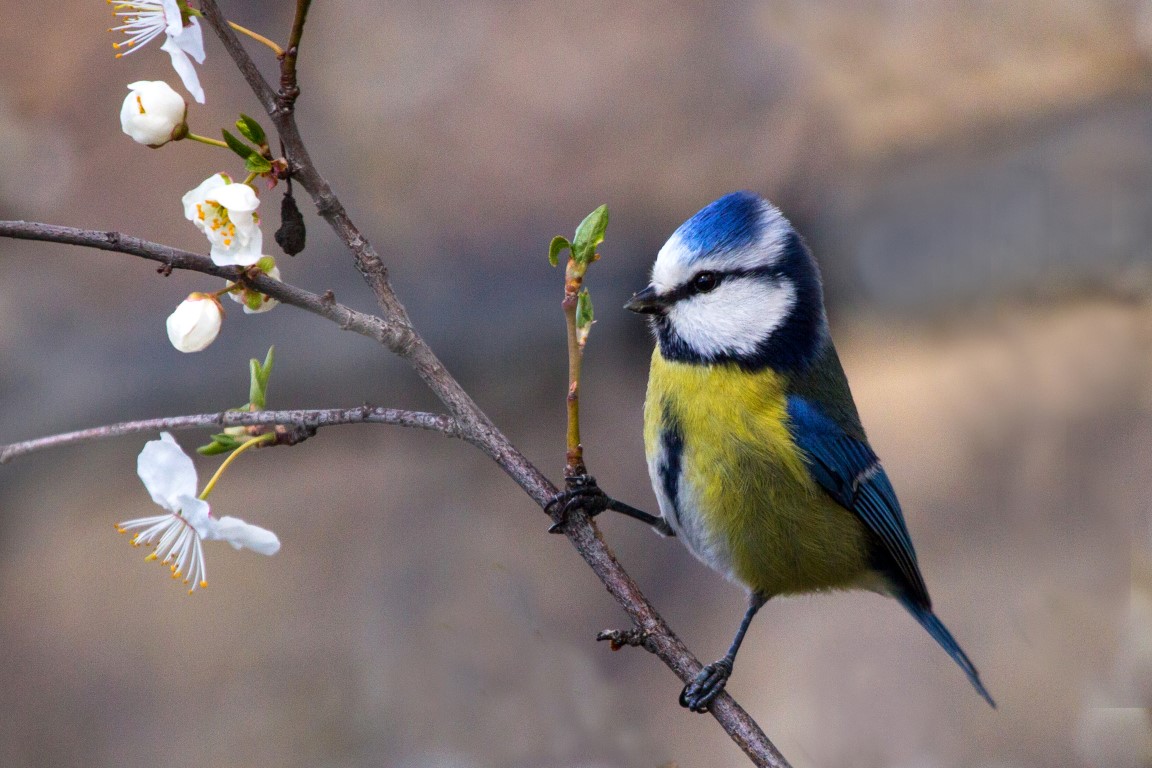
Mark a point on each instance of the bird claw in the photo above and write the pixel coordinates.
(582, 493)
(699, 694)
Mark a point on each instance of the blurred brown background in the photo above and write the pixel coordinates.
(976, 180)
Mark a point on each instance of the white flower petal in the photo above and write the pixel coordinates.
(193, 198)
(242, 535)
(197, 513)
(174, 22)
(237, 198)
(167, 472)
(190, 38)
(195, 324)
(183, 66)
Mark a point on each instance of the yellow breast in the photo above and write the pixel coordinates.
(733, 484)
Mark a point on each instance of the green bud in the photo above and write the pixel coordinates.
(258, 388)
(589, 235)
(237, 146)
(257, 163)
(556, 247)
(266, 264)
(221, 443)
(251, 130)
(584, 318)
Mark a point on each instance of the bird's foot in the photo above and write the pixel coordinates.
(699, 694)
(582, 493)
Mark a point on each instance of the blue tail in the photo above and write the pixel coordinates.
(940, 632)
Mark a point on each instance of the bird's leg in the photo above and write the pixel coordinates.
(659, 523)
(584, 493)
(699, 694)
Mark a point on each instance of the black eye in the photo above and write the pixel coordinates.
(705, 281)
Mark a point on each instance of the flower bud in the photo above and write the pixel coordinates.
(195, 323)
(255, 302)
(153, 114)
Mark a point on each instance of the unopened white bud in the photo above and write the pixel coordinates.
(196, 322)
(153, 114)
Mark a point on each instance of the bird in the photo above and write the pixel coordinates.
(754, 445)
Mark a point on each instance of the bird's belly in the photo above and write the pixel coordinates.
(734, 486)
(782, 533)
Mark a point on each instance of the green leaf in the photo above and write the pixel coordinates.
(590, 234)
(251, 130)
(583, 309)
(584, 318)
(257, 164)
(236, 145)
(258, 388)
(557, 246)
(221, 443)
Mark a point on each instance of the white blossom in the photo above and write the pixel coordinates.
(196, 322)
(177, 535)
(153, 114)
(184, 40)
(226, 213)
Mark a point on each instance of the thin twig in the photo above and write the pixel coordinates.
(574, 453)
(289, 87)
(304, 419)
(475, 423)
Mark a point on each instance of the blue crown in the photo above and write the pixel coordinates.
(734, 221)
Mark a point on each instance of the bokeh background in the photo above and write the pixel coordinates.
(976, 179)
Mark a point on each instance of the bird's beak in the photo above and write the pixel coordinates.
(647, 302)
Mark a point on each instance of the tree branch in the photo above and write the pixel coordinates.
(307, 420)
(324, 305)
(583, 535)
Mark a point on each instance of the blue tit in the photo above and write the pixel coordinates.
(754, 446)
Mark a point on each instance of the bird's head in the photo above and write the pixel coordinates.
(735, 283)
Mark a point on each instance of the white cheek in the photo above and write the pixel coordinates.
(735, 318)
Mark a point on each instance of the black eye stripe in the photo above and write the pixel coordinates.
(689, 288)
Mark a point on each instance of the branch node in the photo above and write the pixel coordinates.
(165, 270)
(635, 637)
(327, 205)
(294, 435)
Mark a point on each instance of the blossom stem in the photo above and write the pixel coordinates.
(205, 140)
(251, 178)
(233, 288)
(257, 37)
(265, 438)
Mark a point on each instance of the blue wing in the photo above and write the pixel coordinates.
(849, 471)
(851, 474)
